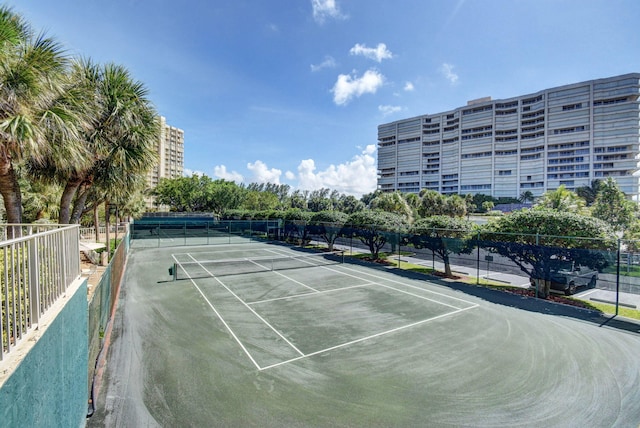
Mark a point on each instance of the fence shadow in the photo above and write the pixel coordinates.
(506, 298)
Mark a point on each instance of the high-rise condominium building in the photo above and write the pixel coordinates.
(170, 150)
(569, 135)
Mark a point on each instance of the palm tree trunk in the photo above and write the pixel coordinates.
(66, 200)
(106, 224)
(96, 222)
(78, 206)
(10, 191)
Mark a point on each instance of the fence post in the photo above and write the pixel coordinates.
(351, 239)
(478, 261)
(618, 278)
(34, 281)
(398, 235)
(538, 279)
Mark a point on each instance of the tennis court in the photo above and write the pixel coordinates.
(281, 306)
(285, 337)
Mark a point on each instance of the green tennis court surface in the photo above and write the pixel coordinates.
(343, 344)
(309, 306)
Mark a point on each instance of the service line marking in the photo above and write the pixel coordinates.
(314, 292)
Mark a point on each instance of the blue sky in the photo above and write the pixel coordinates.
(292, 91)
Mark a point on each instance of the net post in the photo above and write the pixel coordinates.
(174, 272)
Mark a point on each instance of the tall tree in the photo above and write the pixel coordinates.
(120, 139)
(375, 228)
(536, 239)
(260, 201)
(41, 200)
(393, 202)
(319, 200)
(455, 206)
(526, 196)
(612, 206)
(443, 235)
(299, 199)
(296, 225)
(431, 203)
(349, 204)
(328, 224)
(589, 193)
(36, 120)
(368, 197)
(561, 199)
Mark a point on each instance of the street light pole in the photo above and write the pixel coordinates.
(618, 278)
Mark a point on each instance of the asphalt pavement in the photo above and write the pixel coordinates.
(603, 293)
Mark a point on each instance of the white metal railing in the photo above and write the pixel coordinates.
(36, 268)
(89, 233)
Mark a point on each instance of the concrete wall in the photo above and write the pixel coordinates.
(49, 386)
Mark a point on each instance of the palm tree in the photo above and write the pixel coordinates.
(526, 196)
(561, 199)
(36, 116)
(589, 193)
(41, 200)
(120, 139)
(393, 202)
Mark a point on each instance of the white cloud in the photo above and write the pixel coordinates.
(220, 171)
(377, 54)
(447, 72)
(348, 86)
(328, 62)
(387, 110)
(323, 9)
(408, 86)
(262, 174)
(355, 177)
(289, 175)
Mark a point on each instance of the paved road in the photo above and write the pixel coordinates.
(604, 292)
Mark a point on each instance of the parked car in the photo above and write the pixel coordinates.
(567, 276)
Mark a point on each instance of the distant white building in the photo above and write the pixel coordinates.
(170, 150)
(567, 135)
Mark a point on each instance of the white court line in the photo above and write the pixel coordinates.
(223, 321)
(284, 276)
(303, 355)
(411, 286)
(255, 313)
(397, 282)
(296, 296)
(365, 338)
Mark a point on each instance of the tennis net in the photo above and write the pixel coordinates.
(213, 268)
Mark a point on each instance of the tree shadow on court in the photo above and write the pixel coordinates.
(505, 298)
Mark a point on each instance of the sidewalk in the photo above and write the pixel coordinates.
(596, 295)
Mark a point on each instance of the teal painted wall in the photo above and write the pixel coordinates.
(49, 387)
